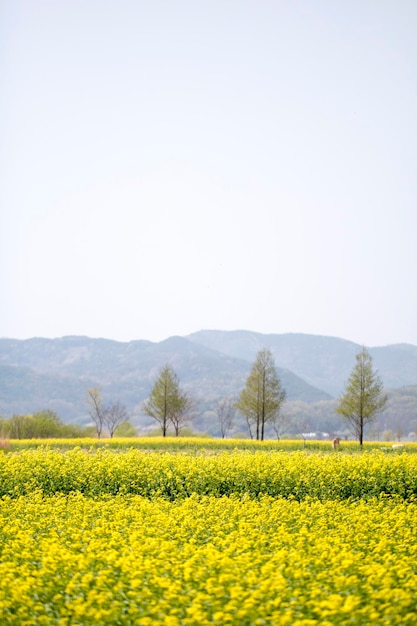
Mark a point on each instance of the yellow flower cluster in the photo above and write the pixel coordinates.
(127, 560)
(298, 474)
(242, 538)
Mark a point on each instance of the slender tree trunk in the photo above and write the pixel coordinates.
(258, 416)
(362, 384)
(263, 421)
(263, 404)
(164, 423)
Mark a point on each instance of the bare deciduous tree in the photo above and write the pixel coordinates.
(181, 411)
(96, 409)
(113, 415)
(225, 411)
(280, 421)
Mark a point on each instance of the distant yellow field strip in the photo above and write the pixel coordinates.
(289, 474)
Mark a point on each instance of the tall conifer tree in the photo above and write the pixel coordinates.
(263, 395)
(167, 403)
(363, 398)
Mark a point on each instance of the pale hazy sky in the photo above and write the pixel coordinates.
(168, 166)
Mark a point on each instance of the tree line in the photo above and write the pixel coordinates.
(260, 402)
(45, 424)
(263, 396)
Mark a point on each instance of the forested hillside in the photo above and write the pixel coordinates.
(54, 374)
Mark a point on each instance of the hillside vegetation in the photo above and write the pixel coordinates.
(38, 374)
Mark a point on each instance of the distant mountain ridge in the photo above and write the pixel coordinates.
(324, 362)
(42, 373)
(55, 373)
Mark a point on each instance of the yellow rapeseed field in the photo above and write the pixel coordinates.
(241, 538)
